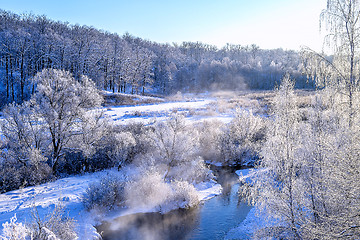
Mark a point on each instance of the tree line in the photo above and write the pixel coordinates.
(130, 64)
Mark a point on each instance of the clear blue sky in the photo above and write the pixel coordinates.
(267, 23)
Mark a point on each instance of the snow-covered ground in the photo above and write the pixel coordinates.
(66, 191)
(69, 192)
(147, 113)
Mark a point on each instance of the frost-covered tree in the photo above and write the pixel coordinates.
(329, 157)
(277, 188)
(341, 72)
(241, 140)
(173, 150)
(23, 132)
(63, 104)
(334, 134)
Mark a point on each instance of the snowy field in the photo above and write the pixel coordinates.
(194, 110)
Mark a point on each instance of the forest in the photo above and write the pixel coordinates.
(291, 119)
(130, 64)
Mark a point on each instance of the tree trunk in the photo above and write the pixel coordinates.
(12, 81)
(7, 78)
(22, 77)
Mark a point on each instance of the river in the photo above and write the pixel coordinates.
(210, 220)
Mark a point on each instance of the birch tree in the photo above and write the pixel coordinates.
(277, 190)
(340, 20)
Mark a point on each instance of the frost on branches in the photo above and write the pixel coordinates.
(310, 178)
(60, 117)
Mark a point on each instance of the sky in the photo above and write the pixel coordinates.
(287, 24)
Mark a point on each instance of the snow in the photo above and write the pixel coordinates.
(246, 229)
(68, 191)
(208, 190)
(253, 220)
(143, 112)
(160, 111)
(247, 174)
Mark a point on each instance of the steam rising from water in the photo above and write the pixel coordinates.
(153, 226)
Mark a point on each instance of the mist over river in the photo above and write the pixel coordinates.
(210, 220)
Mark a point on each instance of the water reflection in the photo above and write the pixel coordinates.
(210, 220)
(150, 226)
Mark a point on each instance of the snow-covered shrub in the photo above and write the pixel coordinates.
(151, 191)
(11, 176)
(23, 131)
(137, 131)
(108, 193)
(14, 231)
(24, 142)
(193, 171)
(241, 140)
(14, 174)
(118, 148)
(178, 96)
(173, 146)
(185, 194)
(209, 136)
(123, 144)
(54, 226)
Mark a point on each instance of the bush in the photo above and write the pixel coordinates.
(54, 226)
(173, 150)
(14, 231)
(15, 175)
(210, 133)
(194, 171)
(118, 148)
(151, 191)
(123, 144)
(185, 194)
(108, 193)
(241, 141)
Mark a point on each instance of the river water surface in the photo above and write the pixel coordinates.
(210, 220)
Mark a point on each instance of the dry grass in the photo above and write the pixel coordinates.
(120, 99)
(258, 101)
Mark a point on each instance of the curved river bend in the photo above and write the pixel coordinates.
(210, 220)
